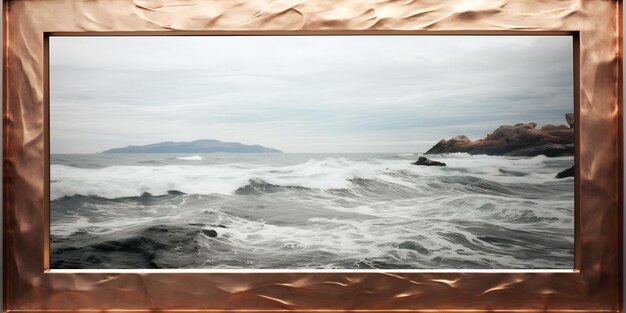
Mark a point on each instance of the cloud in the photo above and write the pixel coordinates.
(303, 94)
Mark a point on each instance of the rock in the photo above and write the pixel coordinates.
(569, 172)
(426, 162)
(511, 173)
(549, 150)
(569, 117)
(209, 232)
(410, 245)
(460, 138)
(516, 140)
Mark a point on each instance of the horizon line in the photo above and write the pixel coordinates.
(278, 153)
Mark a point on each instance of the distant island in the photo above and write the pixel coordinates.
(197, 146)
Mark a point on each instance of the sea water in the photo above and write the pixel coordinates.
(310, 211)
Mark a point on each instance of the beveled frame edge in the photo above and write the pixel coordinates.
(620, 135)
(5, 135)
(620, 200)
(574, 35)
(46, 150)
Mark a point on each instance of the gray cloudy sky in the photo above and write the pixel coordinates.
(305, 93)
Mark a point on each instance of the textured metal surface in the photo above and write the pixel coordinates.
(598, 254)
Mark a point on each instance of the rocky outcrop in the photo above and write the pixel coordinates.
(426, 162)
(569, 117)
(569, 172)
(514, 140)
(209, 232)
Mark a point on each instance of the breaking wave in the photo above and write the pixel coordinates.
(330, 173)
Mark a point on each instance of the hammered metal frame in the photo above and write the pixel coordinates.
(594, 285)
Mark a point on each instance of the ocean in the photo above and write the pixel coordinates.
(309, 211)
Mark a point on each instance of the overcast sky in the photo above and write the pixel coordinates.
(305, 93)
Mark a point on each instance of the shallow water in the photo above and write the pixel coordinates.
(310, 211)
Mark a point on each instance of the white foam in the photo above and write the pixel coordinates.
(324, 174)
(384, 220)
(128, 181)
(191, 158)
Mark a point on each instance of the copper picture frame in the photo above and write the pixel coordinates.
(595, 283)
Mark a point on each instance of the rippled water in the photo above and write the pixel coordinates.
(310, 211)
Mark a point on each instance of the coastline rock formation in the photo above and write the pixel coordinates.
(569, 117)
(516, 140)
(569, 172)
(427, 162)
(198, 146)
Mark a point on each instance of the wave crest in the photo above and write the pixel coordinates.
(128, 181)
(326, 174)
(190, 158)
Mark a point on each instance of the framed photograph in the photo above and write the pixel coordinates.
(311, 156)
